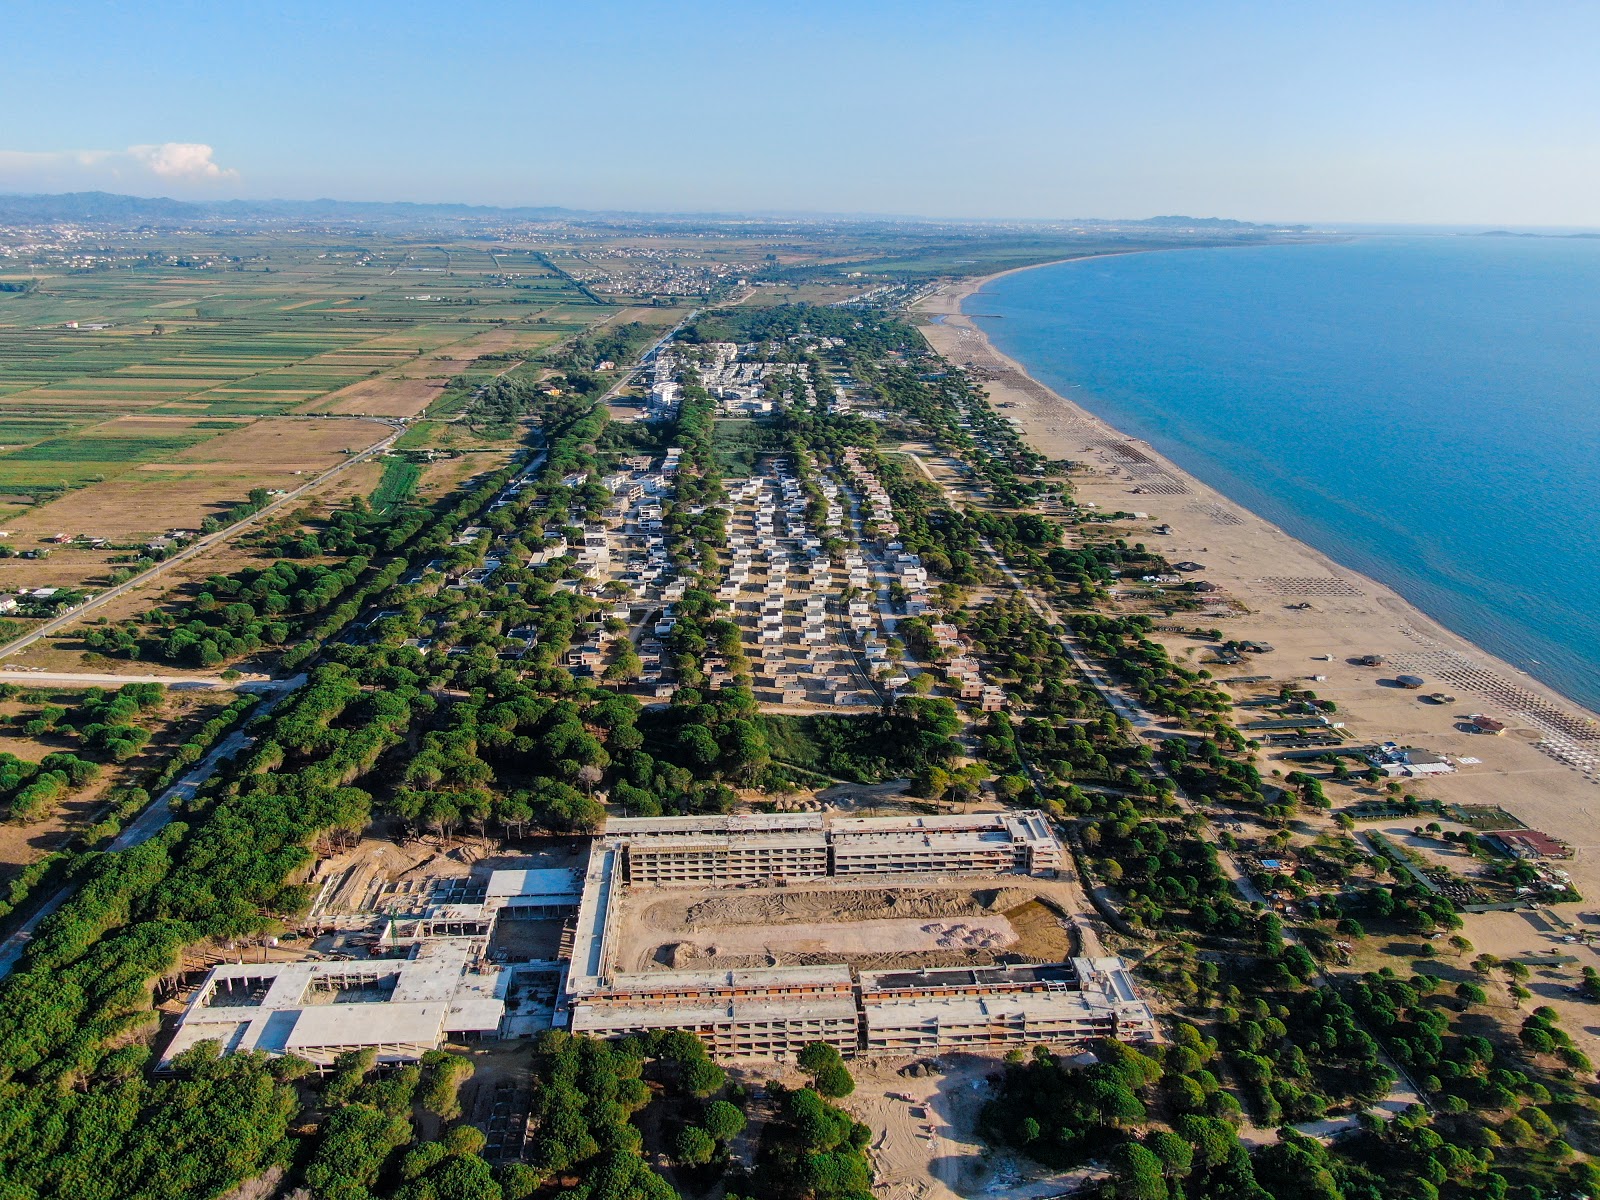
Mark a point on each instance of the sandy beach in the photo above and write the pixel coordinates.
(1544, 768)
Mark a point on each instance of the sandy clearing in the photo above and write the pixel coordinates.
(925, 1144)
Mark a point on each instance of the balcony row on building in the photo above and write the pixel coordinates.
(666, 851)
(774, 1012)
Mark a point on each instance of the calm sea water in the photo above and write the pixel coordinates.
(1423, 410)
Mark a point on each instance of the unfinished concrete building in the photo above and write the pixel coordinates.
(987, 1008)
(318, 1010)
(702, 851)
(774, 1011)
(763, 1013)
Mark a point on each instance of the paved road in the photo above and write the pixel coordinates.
(200, 546)
(256, 683)
(156, 817)
(627, 376)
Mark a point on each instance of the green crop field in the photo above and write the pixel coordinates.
(248, 324)
(102, 449)
(399, 481)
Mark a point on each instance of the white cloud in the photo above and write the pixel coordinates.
(181, 160)
(170, 163)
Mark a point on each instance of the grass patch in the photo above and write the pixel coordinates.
(102, 449)
(418, 436)
(399, 481)
(869, 748)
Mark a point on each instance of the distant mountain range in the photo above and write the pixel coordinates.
(109, 208)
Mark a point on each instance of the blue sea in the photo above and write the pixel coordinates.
(1424, 410)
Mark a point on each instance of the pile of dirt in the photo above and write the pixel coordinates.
(1041, 933)
(678, 955)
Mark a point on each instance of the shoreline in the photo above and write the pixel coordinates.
(961, 291)
(1546, 765)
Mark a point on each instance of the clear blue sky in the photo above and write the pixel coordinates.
(1459, 112)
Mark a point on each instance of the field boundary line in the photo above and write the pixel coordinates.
(209, 541)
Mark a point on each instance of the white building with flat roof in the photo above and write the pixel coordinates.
(987, 1008)
(318, 1010)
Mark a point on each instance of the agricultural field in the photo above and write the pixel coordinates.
(400, 478)
(260, 326)
(160, 385)
(199, 473)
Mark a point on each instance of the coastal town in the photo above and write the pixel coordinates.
(708, 730)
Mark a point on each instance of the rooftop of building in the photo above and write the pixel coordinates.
(294, 1007)
(988, 1009)
(831, 975)
(548, 886)
(969, 977)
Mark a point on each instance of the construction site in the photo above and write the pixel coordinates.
(764, 933)
(759, 933)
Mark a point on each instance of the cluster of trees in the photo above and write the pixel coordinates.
(1163, 1121)
(1422, 1156)
(1021, 646)
(351, 529)
(1421, 1021)
(232, 615)
(720, 734)
(257, 499)
(813, 1150)
(101, 722)
(1164, 687)
(955, 415)
(1205, 768)
(1079, 574)
(219, 873)
(917, 736)
(866, 331)
(1064, 1115)
(1089, 750)
(1407, 906)
(1166, 874)
(587, 1089)
(517, 758)
(1303, 1052)
(194, 1132)
(368, 1147)
(612, 343)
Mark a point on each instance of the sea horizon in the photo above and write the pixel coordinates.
(1424, 409)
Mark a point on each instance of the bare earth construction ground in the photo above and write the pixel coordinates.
(870, 928)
